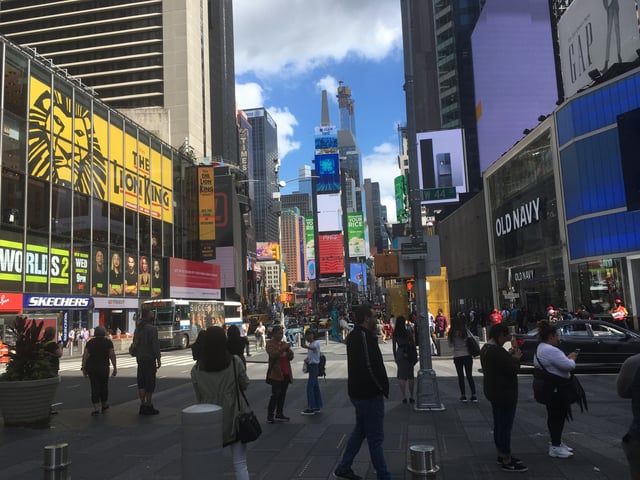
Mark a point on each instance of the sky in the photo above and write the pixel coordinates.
(288, 51)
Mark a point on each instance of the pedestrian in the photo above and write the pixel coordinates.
(244, 333)
(550, 358)
(441, 324)
(216, 378)
(628, 386)
(500, 371)
(406, 356)
(279, 374)
(619, 314)
(95, 364)
(344, 328)
(314, 397)
(235, 342)
(462, 358)
(368, 386)
(71, 340)
(52, 351)
(260, 335)
(148, 359)
(495, 318)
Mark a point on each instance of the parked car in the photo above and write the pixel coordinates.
(601, 345)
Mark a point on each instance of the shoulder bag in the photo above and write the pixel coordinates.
(248, 426)
(545, 384)
(472, 344)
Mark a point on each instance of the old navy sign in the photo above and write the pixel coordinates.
(55, 302)
(520, 217)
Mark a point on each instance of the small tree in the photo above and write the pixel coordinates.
(28, 360)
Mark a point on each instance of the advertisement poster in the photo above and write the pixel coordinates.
(331, 253)
(206, 205)
(355, 225)
(309, 238)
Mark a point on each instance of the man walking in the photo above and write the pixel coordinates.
(148, 360)
(368, 385)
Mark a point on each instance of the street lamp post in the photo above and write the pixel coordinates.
(428, 396)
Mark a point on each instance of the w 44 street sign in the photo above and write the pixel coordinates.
(431, 194)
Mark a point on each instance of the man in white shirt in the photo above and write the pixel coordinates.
(244, 330)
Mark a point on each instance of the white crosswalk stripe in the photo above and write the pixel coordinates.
(128, 362)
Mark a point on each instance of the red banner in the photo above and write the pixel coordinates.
(331, 253)
(11, 302)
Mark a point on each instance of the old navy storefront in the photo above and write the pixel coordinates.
(86, 201)
(525, 235)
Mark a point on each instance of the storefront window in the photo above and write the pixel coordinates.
(81, 217)
(12, 200)
(61, 212)
(38, 214)
(15, 113)
(598, 283)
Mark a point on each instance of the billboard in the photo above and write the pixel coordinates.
(504, 30)
(331, 252)
(402, 198)
(329, 209)
(267, 251)
(206, 205)
(95, 157)
(595, 34)
(441, 164)
(326, 139)
(309, 238)
(328, 172)
(358, 275)
(355, 234)
(188, 279)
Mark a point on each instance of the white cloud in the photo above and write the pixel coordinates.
(285, 120)
(283, 37)
(249, 95)
(382, 166)
(330, 84)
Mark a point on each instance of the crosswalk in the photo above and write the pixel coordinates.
(125, 361)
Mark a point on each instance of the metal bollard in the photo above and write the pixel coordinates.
(56, 461)
(202, 442)
(484, 334)
(326, 337)
(422, 461)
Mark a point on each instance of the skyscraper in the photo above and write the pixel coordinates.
(378, 239)
(149, 59)
(264, 145)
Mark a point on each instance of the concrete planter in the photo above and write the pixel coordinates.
(28, 401)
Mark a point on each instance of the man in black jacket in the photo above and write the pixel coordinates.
(368, 385)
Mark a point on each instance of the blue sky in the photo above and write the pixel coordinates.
(288, 51)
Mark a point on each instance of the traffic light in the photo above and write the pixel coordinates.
(409, 285)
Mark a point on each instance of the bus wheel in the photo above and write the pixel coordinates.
(184, 342)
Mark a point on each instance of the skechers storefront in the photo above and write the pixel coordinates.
(525, 237)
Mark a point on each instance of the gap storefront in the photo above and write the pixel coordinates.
(598, 141)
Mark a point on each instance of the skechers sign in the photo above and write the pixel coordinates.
(520, 217)
(55, 302)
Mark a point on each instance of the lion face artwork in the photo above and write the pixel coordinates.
(62, 144)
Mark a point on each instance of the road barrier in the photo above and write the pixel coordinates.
(202, 442)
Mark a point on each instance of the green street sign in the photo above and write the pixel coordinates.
(431, 194)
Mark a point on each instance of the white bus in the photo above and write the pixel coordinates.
(232, 313)
(179, 321)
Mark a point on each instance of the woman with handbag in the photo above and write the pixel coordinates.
(216, 378)
(462, 358)
(279, 374)
(406, 356)
(551, 359)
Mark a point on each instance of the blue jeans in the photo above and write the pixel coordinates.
(503, 416)
(314, 399)
(369, 425)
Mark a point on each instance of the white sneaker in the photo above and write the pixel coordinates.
(560, 452)
(564, 445)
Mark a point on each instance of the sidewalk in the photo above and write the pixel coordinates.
(122, 445)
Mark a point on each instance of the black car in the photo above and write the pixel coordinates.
(601, 345)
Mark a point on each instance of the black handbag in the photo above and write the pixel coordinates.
(545, 384)
(472, 345)
(248, 426)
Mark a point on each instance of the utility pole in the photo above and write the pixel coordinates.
(428, 395)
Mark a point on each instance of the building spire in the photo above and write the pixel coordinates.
(324, 120)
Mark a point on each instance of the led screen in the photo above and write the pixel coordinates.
(525, 87)
(328, 172)
(329, 212)
(331, 253)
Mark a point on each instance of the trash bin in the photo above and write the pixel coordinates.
(422, 460)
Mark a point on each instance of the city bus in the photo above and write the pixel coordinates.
(179, 321)
(232, 313)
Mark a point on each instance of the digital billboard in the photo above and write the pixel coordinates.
(595, 34)
(329, 209)
(188, 279)
(94, 157)
(441, 165)
(358, 275)
(267, 251)
(331, 252)
(309, 238)
(355, 234)
(206, 204)
(328, 172)
(526, 86)
(326, 139)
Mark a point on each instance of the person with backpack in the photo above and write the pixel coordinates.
(314, 398)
